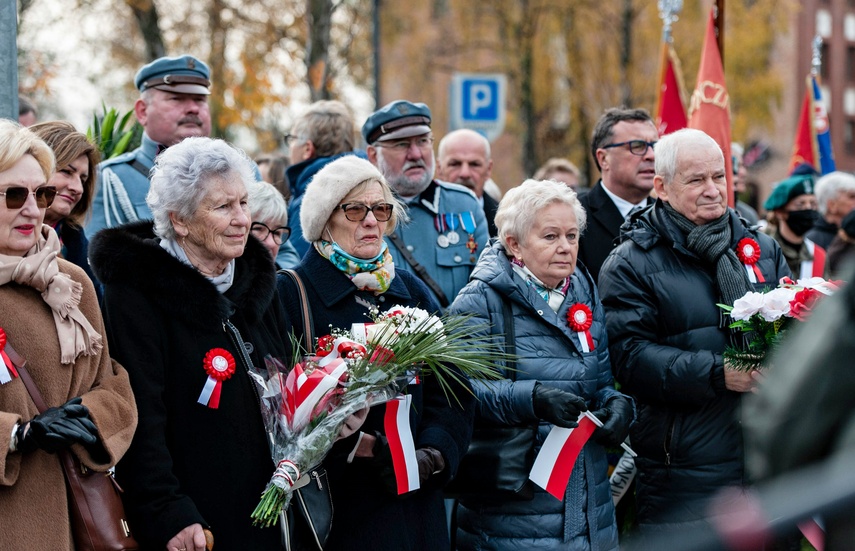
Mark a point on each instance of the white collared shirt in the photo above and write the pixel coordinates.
(623, 205)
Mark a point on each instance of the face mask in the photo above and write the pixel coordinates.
(800, 221)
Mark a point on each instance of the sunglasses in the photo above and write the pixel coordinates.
(357, 212)
(16, 196)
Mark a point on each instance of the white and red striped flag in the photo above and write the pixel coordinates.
(554, 464)
(396, 422)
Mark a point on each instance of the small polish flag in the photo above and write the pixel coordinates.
(554, 464)
(396, 422)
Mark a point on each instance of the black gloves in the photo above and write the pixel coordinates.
(616, 416)
(557, 406)
(57, 428)
(430, 462)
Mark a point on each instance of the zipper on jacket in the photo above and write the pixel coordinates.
(237, 341)
(667, 444)
(308, 517)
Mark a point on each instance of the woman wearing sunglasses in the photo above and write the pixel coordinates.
(76, 162)
(49, 315)
(347, 210)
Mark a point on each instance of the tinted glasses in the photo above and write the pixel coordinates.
(261, 231)
(636, 147)
(357, 212)
(16, 196)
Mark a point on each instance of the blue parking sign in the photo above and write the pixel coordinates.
(478, 102)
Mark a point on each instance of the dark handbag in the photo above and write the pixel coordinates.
(97, 516)
(499, 459)
(312, 500)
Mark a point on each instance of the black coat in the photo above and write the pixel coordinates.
(490, 208)
(603, 229)
(365, 515)
(666, 344)
(189, 463)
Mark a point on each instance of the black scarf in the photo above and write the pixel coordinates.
(711, 242)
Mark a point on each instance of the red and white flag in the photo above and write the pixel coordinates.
(554, 464)
(396, 422)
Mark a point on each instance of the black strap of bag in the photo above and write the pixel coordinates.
(420, 270)
(313, 499)
(96, 512)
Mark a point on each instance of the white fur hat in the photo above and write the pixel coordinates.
(326, 190)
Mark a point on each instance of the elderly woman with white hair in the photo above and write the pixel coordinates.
(347, 210)
(528, 284)
(189, 299)
(269, 214)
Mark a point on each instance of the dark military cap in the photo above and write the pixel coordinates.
(788, 190)
(184, 75)
(399, 119)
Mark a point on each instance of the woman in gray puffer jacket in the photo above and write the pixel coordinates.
(533, 267)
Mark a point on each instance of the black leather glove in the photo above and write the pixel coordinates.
(430, 461)
(57, 428)
(616, 416)
(557, 406)
(382, 461)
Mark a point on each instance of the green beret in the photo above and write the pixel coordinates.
(787, 190)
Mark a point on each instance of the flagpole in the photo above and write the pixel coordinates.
(719, 28)
(816, 57)
(668, 12)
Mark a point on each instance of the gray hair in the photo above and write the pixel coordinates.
(830, 185)
(667, 150)
(266, 204)
(183, 173)
(521, 205)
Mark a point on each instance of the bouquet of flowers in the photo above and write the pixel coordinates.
(305, 407)
(765, 316)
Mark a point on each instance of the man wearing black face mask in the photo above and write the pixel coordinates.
(793, 209)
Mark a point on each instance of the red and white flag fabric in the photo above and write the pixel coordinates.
(670, 112)
(709, 108)
(396, 422)
(554, 464)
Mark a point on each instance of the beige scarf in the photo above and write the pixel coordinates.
(40, 270)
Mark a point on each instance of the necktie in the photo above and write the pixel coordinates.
(632, 211)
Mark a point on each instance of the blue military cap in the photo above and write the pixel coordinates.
(399, 119)
(183, 74)
(789, 189)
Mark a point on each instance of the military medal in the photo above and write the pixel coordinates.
(439, 224)
(467, 220)
(452, 235)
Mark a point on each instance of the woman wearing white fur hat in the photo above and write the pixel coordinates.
(347, 209)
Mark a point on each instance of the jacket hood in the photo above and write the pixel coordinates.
(131, 255)
(652, 225)
(494, 268)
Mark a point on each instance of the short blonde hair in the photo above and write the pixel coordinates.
(17, 141)
(521, 205)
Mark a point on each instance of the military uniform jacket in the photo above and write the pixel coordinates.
(449, 266)
(121, 188)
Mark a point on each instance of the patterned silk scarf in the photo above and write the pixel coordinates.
(367, 275)
(554, 296)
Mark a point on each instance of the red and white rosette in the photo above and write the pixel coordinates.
(219, 364)
(580, 318)
(748, 252)
(7, 369)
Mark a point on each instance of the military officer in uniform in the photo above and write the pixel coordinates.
(173, 105)
(447, 229)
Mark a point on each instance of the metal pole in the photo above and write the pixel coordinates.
(719, 27)
(9, 59)
(376, 17)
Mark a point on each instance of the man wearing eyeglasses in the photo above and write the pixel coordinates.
(447, 229)
(622, 146)
(173, 105)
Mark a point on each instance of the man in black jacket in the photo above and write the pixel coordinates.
(660, 287)
(622, 147)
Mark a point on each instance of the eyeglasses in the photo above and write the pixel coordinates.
(402, 146)
(261, 231)
(16, 196)
(636, 147)
(291, 137)
(357, 212)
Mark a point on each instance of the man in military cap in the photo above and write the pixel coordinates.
(447, 230)
(173, 105)
(793, 211)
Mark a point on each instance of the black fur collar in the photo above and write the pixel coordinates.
(131, 255)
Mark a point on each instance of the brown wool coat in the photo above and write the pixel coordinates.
(33, 503)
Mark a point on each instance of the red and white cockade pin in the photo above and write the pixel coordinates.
(580, 318)
(7, 369)
(748, 252)
(220, 366)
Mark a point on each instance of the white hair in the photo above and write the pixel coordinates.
(521, 206)
(667, 150)
(830, 185)
(266, 204)
(183, 174)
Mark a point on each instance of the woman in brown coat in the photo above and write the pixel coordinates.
(49, 314)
